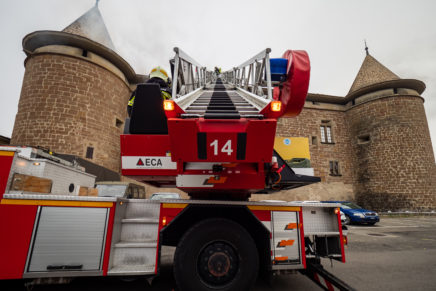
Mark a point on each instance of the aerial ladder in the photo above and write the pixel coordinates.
(214, 140)
(215, 137)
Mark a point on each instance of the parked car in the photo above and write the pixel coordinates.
(355, 214)
(344, 219)
(164, 195)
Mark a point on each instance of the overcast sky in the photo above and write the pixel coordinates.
(400, 34)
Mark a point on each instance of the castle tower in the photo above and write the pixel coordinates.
(393, 160)
(75, 91)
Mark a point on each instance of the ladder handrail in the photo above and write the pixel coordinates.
(188, 74)
(253, 81)
(186, 57)
(257, 57)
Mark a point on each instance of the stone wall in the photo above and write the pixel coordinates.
(307, 124)
(393, 161)
(68, 104)
(384, 151)
(315, 192)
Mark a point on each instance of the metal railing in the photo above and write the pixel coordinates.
(253, 75)
(188, 76)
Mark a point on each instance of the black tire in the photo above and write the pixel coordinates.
(216, 254)
(371, 223)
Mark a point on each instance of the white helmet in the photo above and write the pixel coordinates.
(158, 72)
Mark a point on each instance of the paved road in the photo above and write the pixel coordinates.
(396, 254)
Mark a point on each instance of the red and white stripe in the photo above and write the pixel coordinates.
(326, 284)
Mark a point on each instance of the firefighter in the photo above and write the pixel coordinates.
(157, 76)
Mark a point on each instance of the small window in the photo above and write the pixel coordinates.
(322, 128)
(118, 123)
(85, 53)
(395, 91)
(89, 152)
(362, 139)
(334, 168)
(329, 133)
(326, 134)
(315, 103)
(353, 102)
(314, 140)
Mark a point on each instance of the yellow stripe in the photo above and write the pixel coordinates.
(274, 208)
(8, 154)
(165, 95)
(56, 203)
(131, 101)
(174, 205)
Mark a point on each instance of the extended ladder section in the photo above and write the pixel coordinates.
(221, 101)
(215, 137)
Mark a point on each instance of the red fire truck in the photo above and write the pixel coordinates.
(214, 140)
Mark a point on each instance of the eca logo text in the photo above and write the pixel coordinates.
(149, 162)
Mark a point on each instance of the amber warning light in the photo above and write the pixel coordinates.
(168, 105)
(276, 106)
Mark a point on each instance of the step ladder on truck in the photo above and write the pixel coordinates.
(214, 140)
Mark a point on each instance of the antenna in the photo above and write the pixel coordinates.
(366, 47)
(96, 2)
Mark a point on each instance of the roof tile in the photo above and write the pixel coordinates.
(371, 72)
(91, 25)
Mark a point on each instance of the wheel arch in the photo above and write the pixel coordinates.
(192, 214)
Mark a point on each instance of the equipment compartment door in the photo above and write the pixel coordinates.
(286, 243)
(68, 239)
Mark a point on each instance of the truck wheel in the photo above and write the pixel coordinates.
(216, 254)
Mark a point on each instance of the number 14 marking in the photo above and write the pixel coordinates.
(227, 148)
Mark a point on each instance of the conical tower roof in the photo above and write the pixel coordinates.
(371, 72)
(91, 25)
